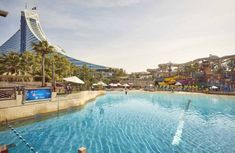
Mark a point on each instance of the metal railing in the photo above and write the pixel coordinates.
(7, 93)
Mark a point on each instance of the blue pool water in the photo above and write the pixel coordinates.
(136, 123)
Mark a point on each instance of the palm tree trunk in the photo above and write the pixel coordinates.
(43, 70)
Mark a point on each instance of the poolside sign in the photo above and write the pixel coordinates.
(37, 94)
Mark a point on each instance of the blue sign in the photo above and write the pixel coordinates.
(38, 94)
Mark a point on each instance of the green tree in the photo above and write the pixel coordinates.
(27, 63)
(10, 63)
(62, 67)
(231, 65)
(87, 75)
(43, 48)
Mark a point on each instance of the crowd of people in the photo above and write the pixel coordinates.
(68, 89)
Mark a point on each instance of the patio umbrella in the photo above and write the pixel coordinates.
(101, 83)
(119, 84)
(125, 85)
(113, 85)
(74, 79)
(178, 84)
(214, 87)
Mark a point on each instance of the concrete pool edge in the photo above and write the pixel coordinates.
(175, 92)
(193, 93)
(31, 109)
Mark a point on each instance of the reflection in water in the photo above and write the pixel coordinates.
(153, 102)
(178, 134)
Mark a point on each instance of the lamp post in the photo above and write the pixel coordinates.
(3, 13)
(53, 76)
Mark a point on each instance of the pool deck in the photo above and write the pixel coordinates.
(195, 93)
(28, 110)
(179, 92)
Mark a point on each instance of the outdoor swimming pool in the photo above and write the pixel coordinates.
(136, 123)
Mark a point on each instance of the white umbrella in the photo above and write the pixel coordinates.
(74, 79)
(113, 85)
(151, 85)
(178, 84)
(119, 84)
(214, 87)
(125, 85)
(102, 83)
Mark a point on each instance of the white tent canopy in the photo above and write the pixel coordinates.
(214, 87)
(100, 83)
(125, 85)
(178, 84)
(119, 84)
(113, 85)
(74, 79)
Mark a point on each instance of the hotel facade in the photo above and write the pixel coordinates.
(31, 32)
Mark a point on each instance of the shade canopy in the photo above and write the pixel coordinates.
(125, 85)
(100, 83)
(119, 84)
(3, 13)
(74, 79)
(214, 87)
(113, 85)
(178, 84)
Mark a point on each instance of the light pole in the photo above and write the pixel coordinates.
(3, 13)
(53, 77)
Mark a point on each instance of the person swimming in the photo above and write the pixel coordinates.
(187, 106)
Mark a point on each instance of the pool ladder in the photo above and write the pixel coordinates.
(21, 138)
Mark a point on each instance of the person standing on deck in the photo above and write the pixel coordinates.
(125, 90)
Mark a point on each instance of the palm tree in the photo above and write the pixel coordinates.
(231, 65)
(43, 48)
(10, 63)
(27, 62)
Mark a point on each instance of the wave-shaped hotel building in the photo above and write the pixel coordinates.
(31, 32)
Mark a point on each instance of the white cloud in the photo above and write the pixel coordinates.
(59, 20)
(135, 34)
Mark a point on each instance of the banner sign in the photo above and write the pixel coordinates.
(37, 94)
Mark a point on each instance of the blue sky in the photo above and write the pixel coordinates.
(131, 34)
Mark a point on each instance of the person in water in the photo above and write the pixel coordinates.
(125, 90)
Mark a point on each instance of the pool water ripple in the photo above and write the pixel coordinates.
(136, 123)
